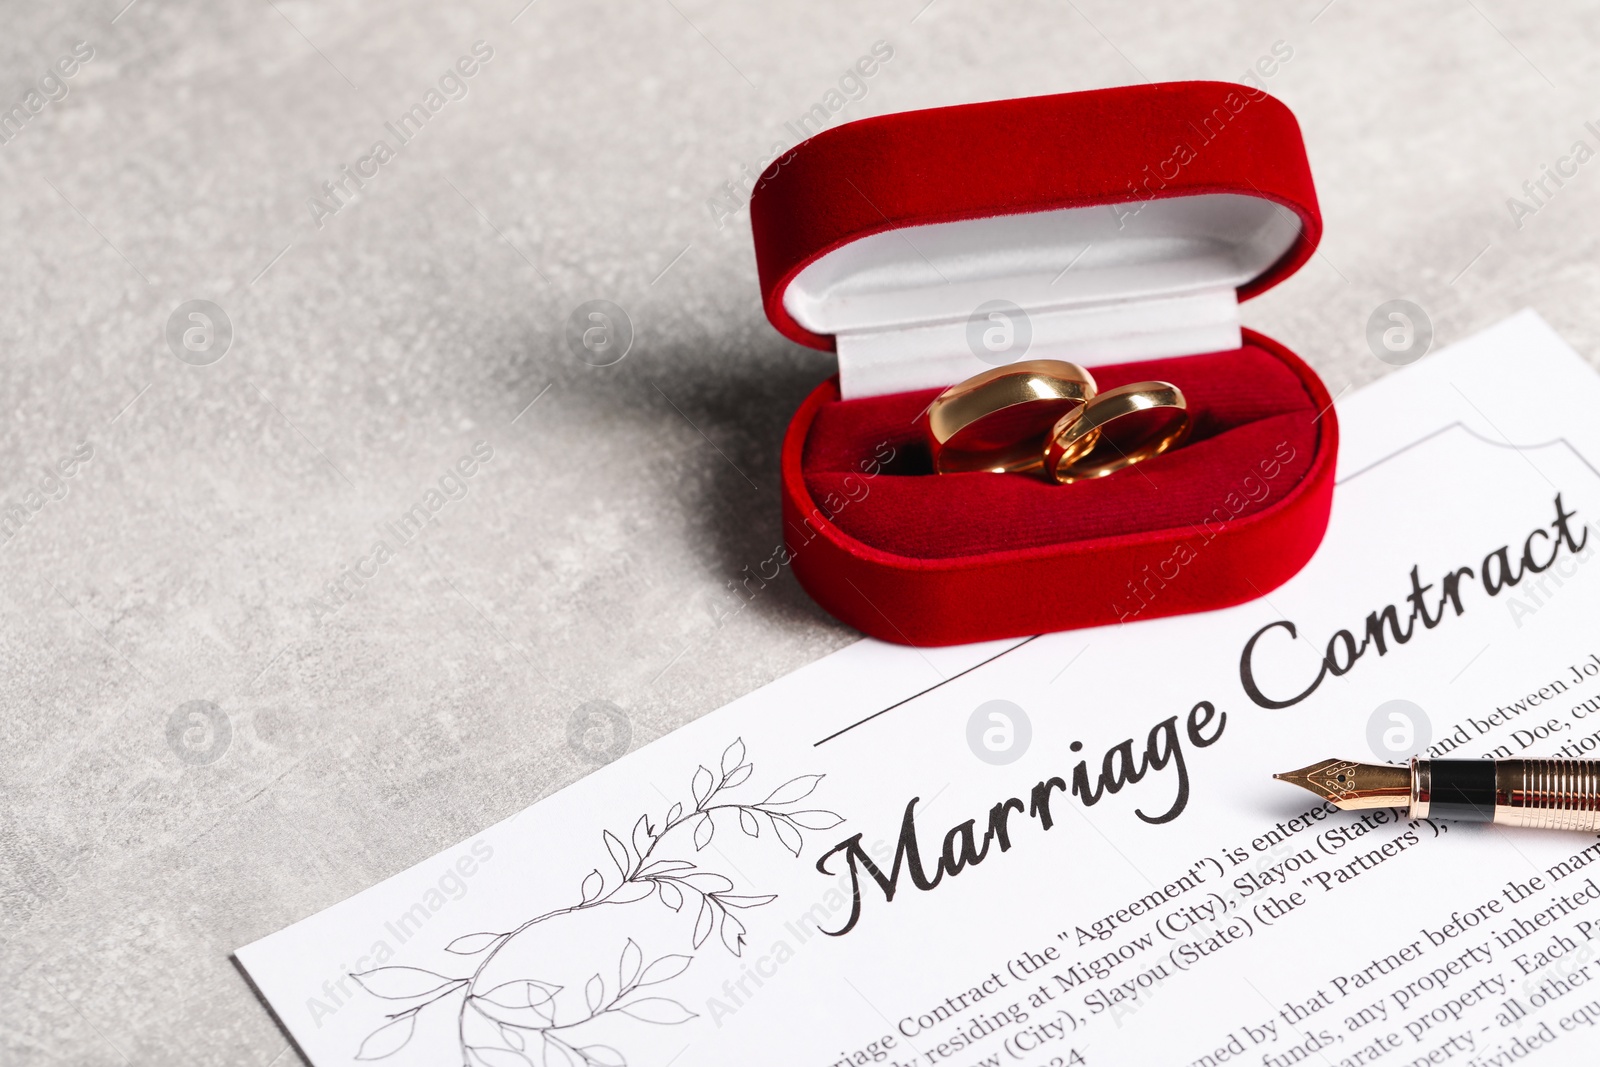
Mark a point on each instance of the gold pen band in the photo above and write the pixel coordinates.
(1555, 794)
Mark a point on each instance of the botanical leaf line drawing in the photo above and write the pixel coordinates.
(529, 1022)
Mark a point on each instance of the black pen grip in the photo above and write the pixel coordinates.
(1462, 789)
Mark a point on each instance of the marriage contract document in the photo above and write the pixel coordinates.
(1069, 849)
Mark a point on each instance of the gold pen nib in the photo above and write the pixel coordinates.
(1348, 785)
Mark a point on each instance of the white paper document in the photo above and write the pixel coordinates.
(1070, 849)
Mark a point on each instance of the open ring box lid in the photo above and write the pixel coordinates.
(1100, 227)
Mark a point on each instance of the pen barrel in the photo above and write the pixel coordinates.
(1548, 794)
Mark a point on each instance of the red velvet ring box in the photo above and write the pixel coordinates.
(1127, 224)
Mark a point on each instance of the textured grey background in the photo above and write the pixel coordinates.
(589, 559)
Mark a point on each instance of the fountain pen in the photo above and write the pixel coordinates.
(1548, 794)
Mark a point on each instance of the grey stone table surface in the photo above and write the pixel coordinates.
(221, 711)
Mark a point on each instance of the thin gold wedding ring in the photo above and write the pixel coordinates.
(1067, 453)
(1033, 395)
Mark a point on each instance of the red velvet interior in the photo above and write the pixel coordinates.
(1254, 437)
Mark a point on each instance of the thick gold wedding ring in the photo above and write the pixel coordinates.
(995, 421)
(1067, 453)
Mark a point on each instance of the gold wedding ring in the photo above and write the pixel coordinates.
(995, 421)
(1069, 447)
